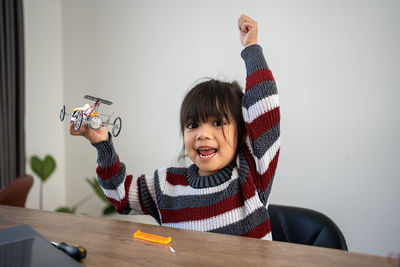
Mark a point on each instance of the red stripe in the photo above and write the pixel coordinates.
(120, 205)
(107, 173)
(262, 181)
(248, 189)
(144, 209)
(257, 77)
(199, 213)
(176, 179)
(263, 123)
(269, 173)
(260, 230)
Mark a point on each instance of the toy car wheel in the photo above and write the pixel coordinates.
(62, 113)
(95, 122)
(116, 126)
(78, 120)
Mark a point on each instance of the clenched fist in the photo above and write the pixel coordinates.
(94, 136)
(248, 30)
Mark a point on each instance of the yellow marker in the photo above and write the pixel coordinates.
(152, 238)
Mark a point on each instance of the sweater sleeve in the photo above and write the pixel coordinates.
(261, 114)
(126, 194)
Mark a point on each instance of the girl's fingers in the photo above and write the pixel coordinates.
(245, 23)
(72, 130)
(248, 28)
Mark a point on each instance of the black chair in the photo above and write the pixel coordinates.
(304, 226)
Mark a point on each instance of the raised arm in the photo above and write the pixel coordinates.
(125, 193)
(260, 107)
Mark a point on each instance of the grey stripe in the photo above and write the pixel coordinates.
(245, 225)
(157, 188)
(243, 168)
(254, 59)
(265, 195)
(265, 141)
(196, 181)
(106, 155)
(258, 92)
(181, 202)
(147, 200)
(115, 181)
(127, 209)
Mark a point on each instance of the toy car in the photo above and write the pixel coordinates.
(89, 115)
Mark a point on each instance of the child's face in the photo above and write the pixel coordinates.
(211, 145)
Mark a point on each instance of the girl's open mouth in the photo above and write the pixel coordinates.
(206, 152)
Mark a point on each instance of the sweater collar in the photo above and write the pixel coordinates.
(212, 180)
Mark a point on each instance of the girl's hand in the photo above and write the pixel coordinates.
(94, 136)
(248, 30)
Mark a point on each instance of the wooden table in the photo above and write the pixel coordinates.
(109, 243)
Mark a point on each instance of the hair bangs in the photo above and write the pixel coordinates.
(206, 100)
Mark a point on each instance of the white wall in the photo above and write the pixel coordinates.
(44, 95)
(335, 64)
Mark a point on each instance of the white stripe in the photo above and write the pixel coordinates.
(260, 107)
(116, 194)
(162, 177)
(263, 163)
(182, 190)
(221, 220)
(133, 198)
(267, 236)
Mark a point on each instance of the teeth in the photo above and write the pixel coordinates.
(208, 156)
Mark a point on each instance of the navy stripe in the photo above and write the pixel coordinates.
(196, 181)
(157, 188)
(106, 155)
(194, 201)
(181, 202)
(245, 225)
(127, 209)
(259, 92)
(178, 171)
(115, 181)
(265, 195)
(265, 141)
(254, 59)
(243, 168)
(147, 200)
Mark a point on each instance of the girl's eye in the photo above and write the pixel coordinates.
(219, 123)
(192, 126)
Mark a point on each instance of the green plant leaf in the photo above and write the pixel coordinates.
(36, 166)
(49, 165)
(66, 209)
(44, 168)
(109, 210)
(97, 189)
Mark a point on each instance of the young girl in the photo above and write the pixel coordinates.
(232, 140)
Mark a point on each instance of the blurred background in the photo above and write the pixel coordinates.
(335, 64)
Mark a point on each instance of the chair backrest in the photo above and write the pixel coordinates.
(304, 226)
(15, 194)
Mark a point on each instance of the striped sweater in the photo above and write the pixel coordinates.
(234, 200)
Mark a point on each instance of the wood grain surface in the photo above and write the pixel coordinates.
(110, 243)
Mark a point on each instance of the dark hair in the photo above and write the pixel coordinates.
(217, 99)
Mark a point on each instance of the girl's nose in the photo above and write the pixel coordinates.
(204, 132)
